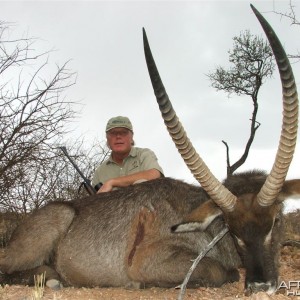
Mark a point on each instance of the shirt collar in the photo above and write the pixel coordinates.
(132, 153)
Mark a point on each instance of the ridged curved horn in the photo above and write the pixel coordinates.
(218, 193)
(287, 143)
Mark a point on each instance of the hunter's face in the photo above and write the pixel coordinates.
(120, 140)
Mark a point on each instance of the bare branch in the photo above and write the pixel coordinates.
(215, 240)
(290, 14)
(34, 115)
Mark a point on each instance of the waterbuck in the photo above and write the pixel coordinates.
(253, 217)
(125, 238)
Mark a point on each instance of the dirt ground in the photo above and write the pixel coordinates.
(289, 270)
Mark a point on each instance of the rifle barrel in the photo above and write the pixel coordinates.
(87, 182)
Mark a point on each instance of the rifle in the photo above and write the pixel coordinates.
(86, 182)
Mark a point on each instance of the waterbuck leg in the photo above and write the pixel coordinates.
(166, 265)
(152, 261)
(34, 240)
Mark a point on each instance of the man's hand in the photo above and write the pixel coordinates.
(106, 187)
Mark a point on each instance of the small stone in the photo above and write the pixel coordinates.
(54, 284)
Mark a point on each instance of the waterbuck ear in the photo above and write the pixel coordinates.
(199, 218)
(290, 189)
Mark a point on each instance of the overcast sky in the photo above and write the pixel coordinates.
(103, 40)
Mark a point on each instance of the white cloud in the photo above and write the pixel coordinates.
(291, 205)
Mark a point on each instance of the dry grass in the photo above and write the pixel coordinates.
(39, 286)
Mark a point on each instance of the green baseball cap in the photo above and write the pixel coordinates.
(119, 121)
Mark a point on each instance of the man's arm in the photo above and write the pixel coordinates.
(129, 180)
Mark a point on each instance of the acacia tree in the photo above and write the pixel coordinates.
(33, 114)
(56, 178)
(251, 62)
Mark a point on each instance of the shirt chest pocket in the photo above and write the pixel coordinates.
(134, 166)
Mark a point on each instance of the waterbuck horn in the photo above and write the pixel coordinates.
(218, 193)
(287, 143)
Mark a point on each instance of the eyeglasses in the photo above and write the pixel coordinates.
(115, 133)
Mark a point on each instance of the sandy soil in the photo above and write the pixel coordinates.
(289, 270)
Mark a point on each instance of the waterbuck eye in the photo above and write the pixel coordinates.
(277, 218)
